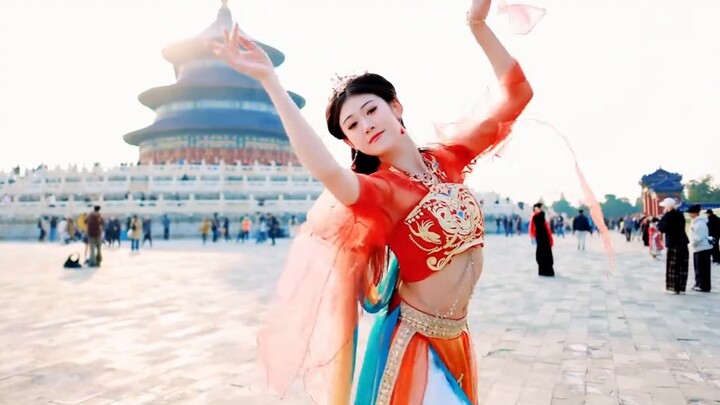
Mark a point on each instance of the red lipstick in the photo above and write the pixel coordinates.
(376, 136)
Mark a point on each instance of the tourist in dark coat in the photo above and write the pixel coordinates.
(672, 224)
(540, 232)
(581, 225)
(645, 229)
(714, 230)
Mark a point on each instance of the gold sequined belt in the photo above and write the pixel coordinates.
(413, 321)
(431, 326)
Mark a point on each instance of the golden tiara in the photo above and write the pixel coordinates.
(340, 82)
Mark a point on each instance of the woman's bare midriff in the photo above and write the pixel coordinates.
(437, 293)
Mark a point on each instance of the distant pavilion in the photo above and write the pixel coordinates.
(656, 187)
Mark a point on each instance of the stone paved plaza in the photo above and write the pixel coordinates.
(176, 324)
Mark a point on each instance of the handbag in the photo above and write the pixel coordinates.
(73, 261)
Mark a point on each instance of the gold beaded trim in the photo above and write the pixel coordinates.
(413, 321)
(392, 367)
(431, 326)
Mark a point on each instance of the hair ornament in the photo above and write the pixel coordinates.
(340, 82)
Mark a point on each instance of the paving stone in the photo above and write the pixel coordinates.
(668, 396)
(632, 397)
(594, 399)
(177, 324)
(535, 396)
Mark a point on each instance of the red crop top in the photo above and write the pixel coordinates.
(426, 227)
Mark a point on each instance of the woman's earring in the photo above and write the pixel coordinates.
(355, 155)
(402, 131)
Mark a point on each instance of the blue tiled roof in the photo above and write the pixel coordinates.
(202, 77)
(667, 185)
(660, 175)
(232, 121)
(158, 96)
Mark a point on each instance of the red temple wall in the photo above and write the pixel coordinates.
(215, 155)
(651, 205)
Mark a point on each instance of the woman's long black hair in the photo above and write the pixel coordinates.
(368, 83)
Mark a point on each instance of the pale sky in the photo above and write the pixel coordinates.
(615, 79)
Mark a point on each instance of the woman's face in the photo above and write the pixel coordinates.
(370, 124)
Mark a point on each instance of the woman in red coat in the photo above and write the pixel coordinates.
(540, 232)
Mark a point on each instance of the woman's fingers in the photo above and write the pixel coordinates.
(233, 37)
(219, 49)
(226, 34)
(246, 42)
(243, 39)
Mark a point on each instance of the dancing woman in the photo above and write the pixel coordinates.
(397, 234)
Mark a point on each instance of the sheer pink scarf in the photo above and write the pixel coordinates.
(522, 18)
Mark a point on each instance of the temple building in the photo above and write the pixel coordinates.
(216, 147)
(656, 187)
(212, 113)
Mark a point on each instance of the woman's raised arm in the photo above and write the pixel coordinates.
(242, 54)
(477, 135)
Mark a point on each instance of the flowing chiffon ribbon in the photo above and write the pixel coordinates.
(385, 289)
(588, 196)
(522, 18)
(445, 132)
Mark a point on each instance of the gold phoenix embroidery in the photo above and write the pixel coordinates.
(460, 220)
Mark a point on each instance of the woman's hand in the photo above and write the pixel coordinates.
(478, 10)
(243, 55)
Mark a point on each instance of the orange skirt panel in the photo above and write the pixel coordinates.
(456, 354)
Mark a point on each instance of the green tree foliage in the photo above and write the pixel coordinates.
(562, 206)
(703, 190)
(614, 207)
(639, 204)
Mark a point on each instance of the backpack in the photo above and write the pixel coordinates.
(73, 261)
